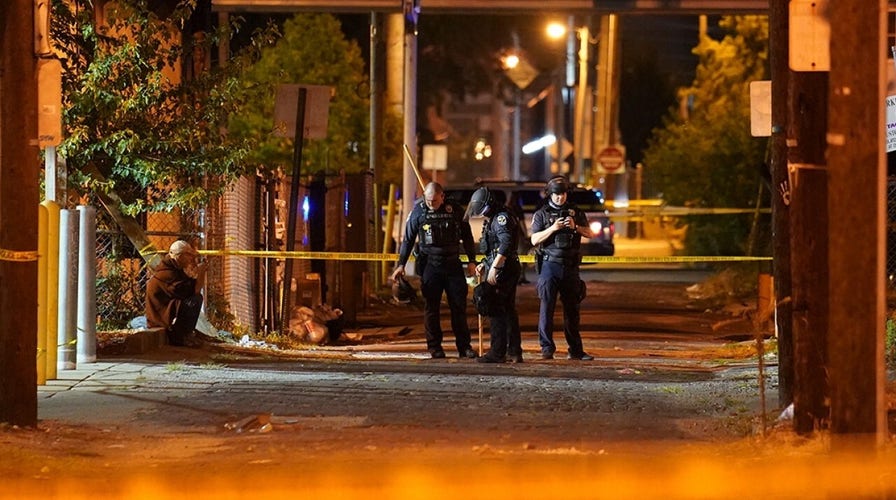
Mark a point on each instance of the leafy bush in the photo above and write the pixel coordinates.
(119, 293)
(705, 157)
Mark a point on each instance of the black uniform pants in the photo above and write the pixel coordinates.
(445, 276)
(557, 278)
(504, 328)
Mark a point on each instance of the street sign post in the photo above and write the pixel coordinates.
(317, 109)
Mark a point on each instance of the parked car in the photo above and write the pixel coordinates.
(530, 196)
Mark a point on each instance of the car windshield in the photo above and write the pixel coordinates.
(586, 199)
(531, 199)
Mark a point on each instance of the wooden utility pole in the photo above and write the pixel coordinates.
(856, 159)
(807, 109)
(778, 61)
(19, 171)
(377, 138)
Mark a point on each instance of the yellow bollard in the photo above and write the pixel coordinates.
(42, 222)
(52, 289)
(389, 227)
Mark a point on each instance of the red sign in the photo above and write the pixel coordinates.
(612, 159)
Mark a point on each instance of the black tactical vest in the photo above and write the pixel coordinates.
(439, 231)
(566, 242)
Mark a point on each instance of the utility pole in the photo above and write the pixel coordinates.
(809, 224)
(409, 178)
(377, 113)
(857, 165)
(778, 61)
(19, 171)
(806, 131)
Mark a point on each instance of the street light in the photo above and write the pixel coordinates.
(556, 31)
(521, 73)
(510, 61)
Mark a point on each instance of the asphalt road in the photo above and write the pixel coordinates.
(670, 408)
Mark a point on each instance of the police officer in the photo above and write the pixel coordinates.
(441, 227)
(501, 268)
(557, 231)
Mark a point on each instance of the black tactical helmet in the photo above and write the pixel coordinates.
(486, 300)
(480, 202)
(402, 291)
(557, 184)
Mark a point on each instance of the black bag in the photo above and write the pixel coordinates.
(486, 299)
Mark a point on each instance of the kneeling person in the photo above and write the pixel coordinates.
(173, 293)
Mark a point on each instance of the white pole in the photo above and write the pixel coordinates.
(68, 289)
(50, 173)
(87, 285)
(516, 141)
(581, 93)
(409, 179)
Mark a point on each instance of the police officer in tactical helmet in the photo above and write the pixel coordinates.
(557, 231)
(501, 269)
(441, 228)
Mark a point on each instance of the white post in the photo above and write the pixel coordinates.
(581, 94)
(87, 285)
(50, 173)
(68, 289)
(409, 179)
(516, 140)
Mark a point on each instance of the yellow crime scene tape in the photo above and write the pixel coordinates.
(391, 257)
(14, 256)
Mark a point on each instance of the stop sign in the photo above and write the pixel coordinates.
(612, 159)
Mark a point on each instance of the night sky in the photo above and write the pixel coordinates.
(670, 37)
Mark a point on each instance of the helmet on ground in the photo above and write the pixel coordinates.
(479, 204)
(486, 299)
(557, 184)
(402, 291)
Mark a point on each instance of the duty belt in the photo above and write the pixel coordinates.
(567, 261)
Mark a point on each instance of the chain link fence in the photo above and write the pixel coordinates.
(121, 271)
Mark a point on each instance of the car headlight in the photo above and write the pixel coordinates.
(596, 227)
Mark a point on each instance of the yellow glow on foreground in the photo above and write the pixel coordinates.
(636, 470)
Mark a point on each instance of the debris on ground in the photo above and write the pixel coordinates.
(318, 325)
(245, 341)
(260, 423)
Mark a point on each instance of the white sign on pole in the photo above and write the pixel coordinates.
(317, 109)
(49, 105)
(761, 108)
(810, 36)
(891, 123)
(435, 157)
(891, 105)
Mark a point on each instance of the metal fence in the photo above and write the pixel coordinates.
(121, 271)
